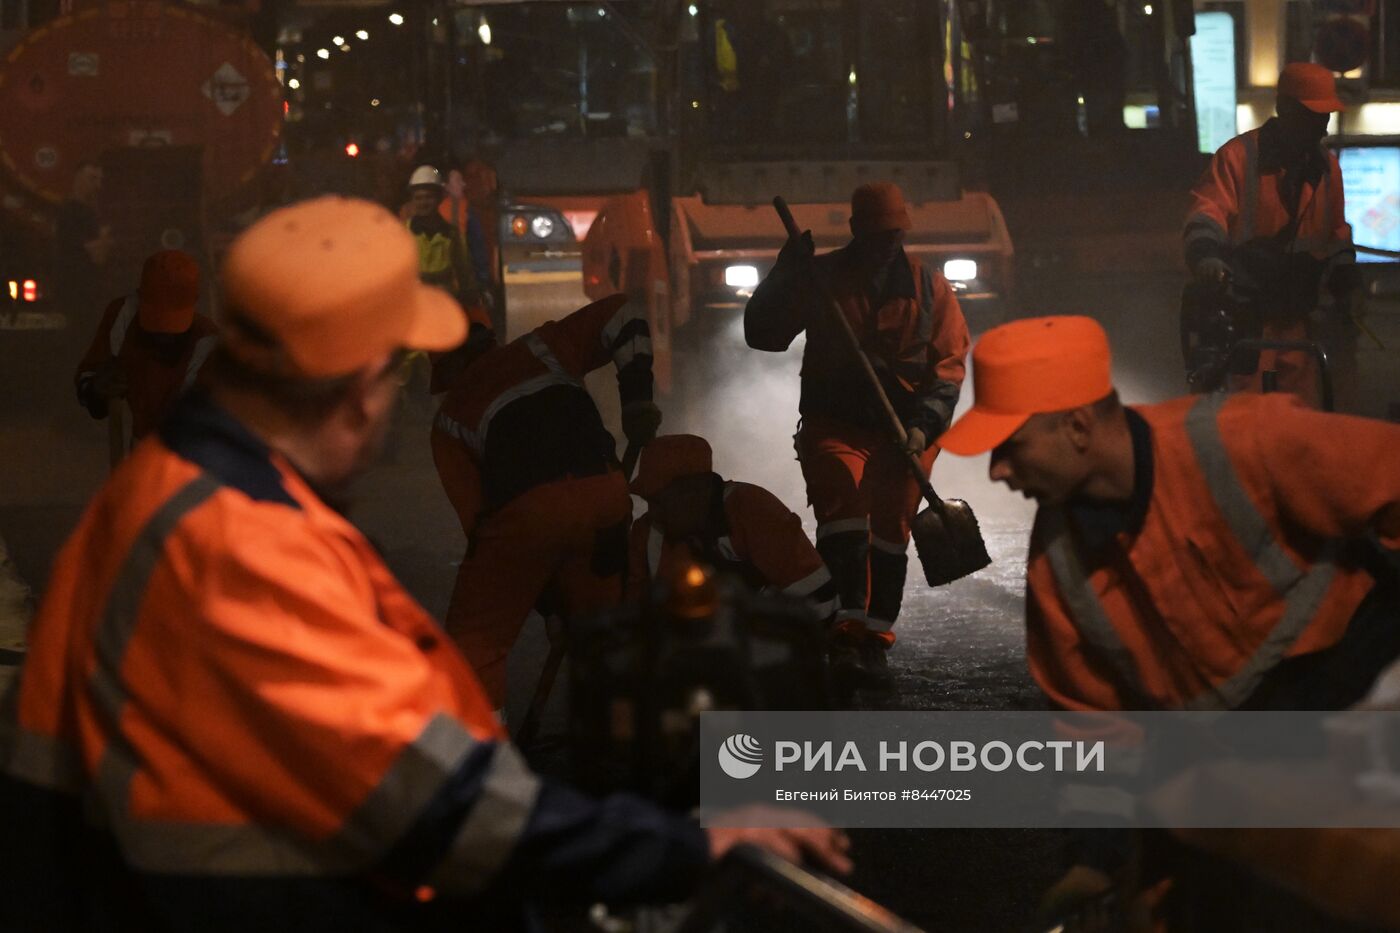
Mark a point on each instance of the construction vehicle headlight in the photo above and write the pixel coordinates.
(541, 226)
(741, 276)
(960, 270)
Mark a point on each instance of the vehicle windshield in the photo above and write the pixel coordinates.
(1073, 67)
(562, 69)
(862, 75)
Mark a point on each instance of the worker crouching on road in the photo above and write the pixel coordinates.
(1206, 553)
(737, 528)
(909, 324)
(232, 716)
(149, 346)
(1268, 217)
(533, 475)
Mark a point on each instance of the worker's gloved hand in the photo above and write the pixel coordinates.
(1212, 271)
(1073, 897)
(109, 381)
(797, 250)
(640, 421)
(917, 442)
(802, 838)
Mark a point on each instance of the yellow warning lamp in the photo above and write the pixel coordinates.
(518, 225)
(693, 594)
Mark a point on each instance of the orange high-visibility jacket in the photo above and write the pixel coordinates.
(244, 696)
(1238, 198)
(916, 338)
(752, 535)
(520, 416)
(1241, 560)
(154, 378)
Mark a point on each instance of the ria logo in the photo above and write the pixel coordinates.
(740, 756)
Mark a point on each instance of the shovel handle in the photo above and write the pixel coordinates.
(843, 327)
(629, 460)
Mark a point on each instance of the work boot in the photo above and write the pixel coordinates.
(858, 662)
(847, 555)
(888, 570)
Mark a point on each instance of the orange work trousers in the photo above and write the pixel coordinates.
(561, 546)
(864, 497)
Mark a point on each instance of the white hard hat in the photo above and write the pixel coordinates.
(425, 175)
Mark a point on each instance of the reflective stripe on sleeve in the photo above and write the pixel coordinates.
(492, 827)
(1204, 227)
(407, 787)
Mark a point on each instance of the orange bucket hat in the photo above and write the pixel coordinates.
(335, 281)
(878, 207)
(668, 458)
(1026, 368)
(1311, 85)
(169, 292)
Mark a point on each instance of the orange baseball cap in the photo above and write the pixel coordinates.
(169, 292)
(1311, 85)
(1028, 367)
(668, 458)
(878, 207)
(335, 280)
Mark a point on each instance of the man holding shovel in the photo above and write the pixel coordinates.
(909, 326)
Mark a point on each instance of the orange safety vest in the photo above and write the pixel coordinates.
(229, 675)
(760, 540)
(1235, 202)
(1240, 561)
(153, 383)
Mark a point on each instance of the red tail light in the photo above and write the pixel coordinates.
(31, 290)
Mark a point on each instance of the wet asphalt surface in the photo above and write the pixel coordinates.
(960, 647)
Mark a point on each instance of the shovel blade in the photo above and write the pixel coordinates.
(949, 542)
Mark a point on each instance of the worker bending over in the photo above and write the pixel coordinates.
(736, 528)
(533, 475)
(1208, 553)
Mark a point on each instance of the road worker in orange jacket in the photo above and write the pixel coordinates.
(232, 716)
(737, 528)
(908, 321)
(1268, 217)
(150, 345)
(533, 475)
(1206, 553)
